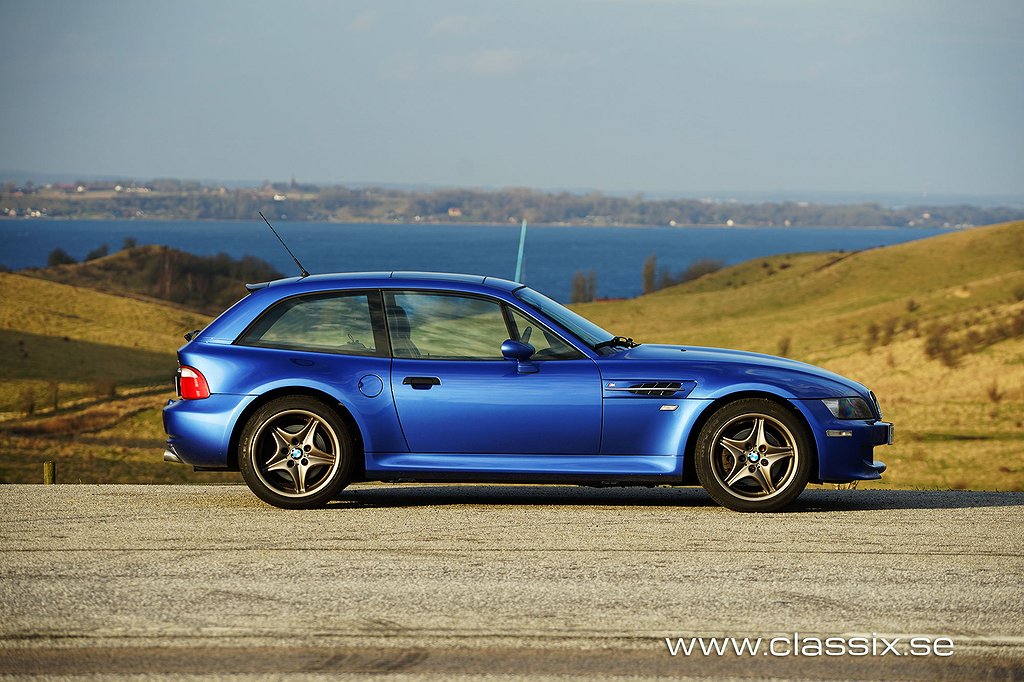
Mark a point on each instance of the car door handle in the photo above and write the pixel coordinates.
(421, 383)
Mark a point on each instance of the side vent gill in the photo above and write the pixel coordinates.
(650, 389)
(656, 389)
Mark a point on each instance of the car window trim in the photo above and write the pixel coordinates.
(509, 309)
(379, 334)
(580, 343)
(441, 292)
(508, 324)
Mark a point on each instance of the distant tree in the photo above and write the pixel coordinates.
(99, 252)
(578, 294)
(665, 279)
(59, 257)
(129, 243)
(650, 273)
(584, 287)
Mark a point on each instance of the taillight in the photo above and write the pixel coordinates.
(192, 384)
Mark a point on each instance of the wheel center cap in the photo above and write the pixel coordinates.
(753, 457)
(296, 453)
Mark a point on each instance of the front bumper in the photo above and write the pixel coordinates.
(846, 447)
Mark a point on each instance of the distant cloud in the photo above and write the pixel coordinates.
(494, 62)
(458, 25)
(363, 22)
(483, 63)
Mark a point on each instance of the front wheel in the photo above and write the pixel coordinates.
(753, 455)
(294, 453)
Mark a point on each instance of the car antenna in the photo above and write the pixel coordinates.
(301, 269)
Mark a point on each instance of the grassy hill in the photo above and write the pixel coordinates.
(206, 283)
(106, 361)
(935, 327)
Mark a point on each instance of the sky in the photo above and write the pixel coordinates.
(682, 97)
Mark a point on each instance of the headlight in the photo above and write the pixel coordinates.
(849, 408)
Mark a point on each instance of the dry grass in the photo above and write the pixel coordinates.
(116, 441)
(85, 345)
(958, 425)
(850, 313)
(78, 339)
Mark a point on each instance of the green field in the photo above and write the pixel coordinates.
(935, 327)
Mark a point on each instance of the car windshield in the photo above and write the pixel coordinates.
(583, 328)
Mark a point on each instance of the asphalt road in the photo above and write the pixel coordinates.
(461, 582)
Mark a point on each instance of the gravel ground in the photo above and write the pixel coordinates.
(509, 582)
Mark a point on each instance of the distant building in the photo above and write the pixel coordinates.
(454, 212)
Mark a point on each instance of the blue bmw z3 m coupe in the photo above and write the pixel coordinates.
(311, 383)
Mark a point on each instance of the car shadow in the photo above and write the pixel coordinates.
(816, 500)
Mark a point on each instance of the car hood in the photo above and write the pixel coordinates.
(718, 371)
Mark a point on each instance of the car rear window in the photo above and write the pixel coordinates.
(332, 323)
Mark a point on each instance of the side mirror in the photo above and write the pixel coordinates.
(521, 353)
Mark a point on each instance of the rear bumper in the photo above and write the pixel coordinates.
(199, 431)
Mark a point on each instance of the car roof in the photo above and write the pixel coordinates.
(386, 279)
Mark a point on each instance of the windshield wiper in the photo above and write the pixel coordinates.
(617, 341)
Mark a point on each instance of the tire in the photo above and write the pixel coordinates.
(734, 446)
(295, 453)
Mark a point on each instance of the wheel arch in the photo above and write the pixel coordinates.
(690, 469)
(359, 461)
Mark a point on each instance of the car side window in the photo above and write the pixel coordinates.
(444, 326)
(549, 346)
(332, 323)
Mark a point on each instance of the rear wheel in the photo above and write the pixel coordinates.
(295, 453)
(753, 455)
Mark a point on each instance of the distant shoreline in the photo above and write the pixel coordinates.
(181, 200)
(431, 223)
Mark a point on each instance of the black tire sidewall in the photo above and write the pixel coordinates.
(704, 452)
(248, 467)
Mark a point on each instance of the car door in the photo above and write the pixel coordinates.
(455, 393)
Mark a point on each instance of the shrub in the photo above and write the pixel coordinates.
(704, 266)
(27, 402)
(99, 252)
(938, 346)
(872, 336)
(912, 305)
(888, 330)
(59, 257)
(53, 394)
(993, 392)
(654, 279)
(106, 389)
(784, 345)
